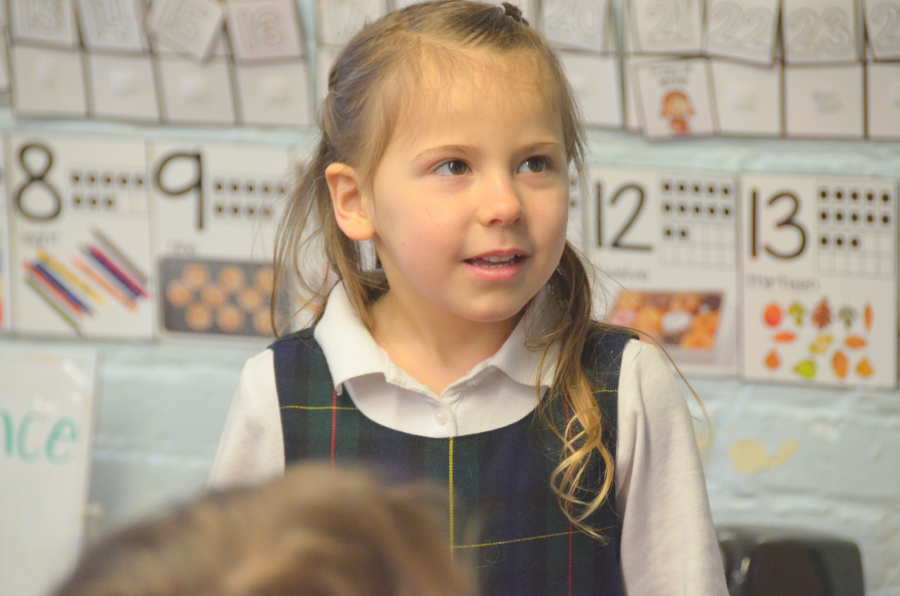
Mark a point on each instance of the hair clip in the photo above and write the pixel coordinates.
(514, 12)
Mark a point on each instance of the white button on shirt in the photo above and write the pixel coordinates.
(668, 545)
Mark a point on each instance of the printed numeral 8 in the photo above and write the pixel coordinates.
(37, 179)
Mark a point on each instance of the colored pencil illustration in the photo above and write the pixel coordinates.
(50, 302)
(97, 279)
(120, 256)
(61, 269)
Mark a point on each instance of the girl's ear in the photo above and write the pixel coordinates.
(351, 210)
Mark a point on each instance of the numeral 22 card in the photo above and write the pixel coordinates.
(668, 237)
(215, 213)
(80, 236)
(820, 280)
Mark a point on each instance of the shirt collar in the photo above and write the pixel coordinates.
(351, 351)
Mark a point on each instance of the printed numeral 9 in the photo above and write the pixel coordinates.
(787, 222)
(193, 184)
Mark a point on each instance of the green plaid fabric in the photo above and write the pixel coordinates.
(525, 546)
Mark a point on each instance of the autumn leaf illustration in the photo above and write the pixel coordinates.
(797, 311)
(847, 315)
(821, 316)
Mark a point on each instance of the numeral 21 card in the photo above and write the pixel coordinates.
(667, 26)
(668, 237)
(80, 236)
(215, 212)
(820, 280)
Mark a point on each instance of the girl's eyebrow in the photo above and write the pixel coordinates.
(467, 150)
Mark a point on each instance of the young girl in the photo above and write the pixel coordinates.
(464, 349)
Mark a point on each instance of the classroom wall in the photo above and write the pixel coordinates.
(818, 459)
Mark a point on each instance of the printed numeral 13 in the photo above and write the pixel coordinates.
(787, 222)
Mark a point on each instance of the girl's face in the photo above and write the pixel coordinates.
(469, 202)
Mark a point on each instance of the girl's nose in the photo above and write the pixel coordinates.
(501, 204)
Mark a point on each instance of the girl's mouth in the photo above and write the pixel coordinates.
(495, 262)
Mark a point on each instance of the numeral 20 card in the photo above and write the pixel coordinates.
(215, 214)
(80, 236)
(820, 280)
(668, 237)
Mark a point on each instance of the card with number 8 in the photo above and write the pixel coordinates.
(668, 237)
(80, 235)
(215, 212)
(820, 280)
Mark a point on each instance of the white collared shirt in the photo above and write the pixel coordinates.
(668, 544)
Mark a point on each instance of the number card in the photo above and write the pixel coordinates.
(215, 213)
(667, 26)
(5, 279)
(115, 25)
(742, 29)
(669, 238)
(80, 237)
(274, 94)
(49, 22)
(748, 98)
(195, 93)
(883, 27)
(576, 24)
(820, 31)
(264, 29)
(4, 63)
(674, 98)
(191, 25)
(47, 82)
(123, 87)
(339, 20)
(824, 101)
(883, 83)
(820, 280)
(595, 80)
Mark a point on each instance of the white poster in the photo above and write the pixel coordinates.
(820, 280)
(216, 208)
(46, 424)
(667, 241)
(80, 236)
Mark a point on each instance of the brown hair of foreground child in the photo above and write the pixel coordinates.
(318, 531)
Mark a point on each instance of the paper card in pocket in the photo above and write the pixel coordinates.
(883, 28)
(820, 31)
(576, 24)
(674, 98)
(339, 20)
(4, 64)
(748, 98)
(123, 88)
(196, 93)
(47, 83)
(824, 101)
(667, 26)
(115, 25)
(274, 94)
(191, 25)
(595, 80)
(264, 29)
(883, 95)
(49, 22)
(742, 29)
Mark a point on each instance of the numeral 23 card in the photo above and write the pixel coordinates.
(216, 209)
(669, 239)
(820, 280)
(80, 236)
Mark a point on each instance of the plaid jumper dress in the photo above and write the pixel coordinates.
(525, 546)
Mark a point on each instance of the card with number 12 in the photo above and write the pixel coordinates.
(820, 280)
(666, 239)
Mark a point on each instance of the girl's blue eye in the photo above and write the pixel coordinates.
(535, 165)
(453, 168)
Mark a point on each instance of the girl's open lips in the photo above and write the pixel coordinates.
(497, 266)
(495, 262)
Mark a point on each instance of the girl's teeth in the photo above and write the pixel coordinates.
(495, 262)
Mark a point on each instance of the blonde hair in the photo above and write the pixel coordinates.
(317, 531)
(379, 70)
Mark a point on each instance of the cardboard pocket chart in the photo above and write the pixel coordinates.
(819, 280)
